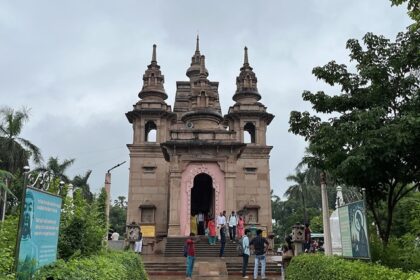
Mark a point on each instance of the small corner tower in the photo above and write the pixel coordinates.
(151, 118)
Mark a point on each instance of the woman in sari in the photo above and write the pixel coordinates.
(241, 227)
(193, 225)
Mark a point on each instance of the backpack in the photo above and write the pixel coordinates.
(240, 247)
(185, 249)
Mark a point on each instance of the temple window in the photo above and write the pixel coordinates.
(249, 133)
(150, 131)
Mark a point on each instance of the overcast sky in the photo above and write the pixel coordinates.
(78, 65)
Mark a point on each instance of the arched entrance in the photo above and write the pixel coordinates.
(195, 175)
(202, 200)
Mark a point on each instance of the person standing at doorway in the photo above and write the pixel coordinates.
(200, 223)
(247, 252)
(222, 241)
(259, 243)
(193, 224)
(233, 222)
(190, 255)
(212, 231)
(241, 227)
(221, 221)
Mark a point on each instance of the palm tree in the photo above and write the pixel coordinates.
(58, 169)
(299, 190)
(15, 151)
(82, 183)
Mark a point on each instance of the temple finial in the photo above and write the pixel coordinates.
(197, 46)
(202, 65)
(246, 56)
(154, 54)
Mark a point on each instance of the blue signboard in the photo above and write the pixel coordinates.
(39, 232)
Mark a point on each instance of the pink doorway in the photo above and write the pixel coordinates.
(202, 189)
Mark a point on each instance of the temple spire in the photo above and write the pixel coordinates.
(202, 65)
(246, 63)
(197, 46)
(154, 54)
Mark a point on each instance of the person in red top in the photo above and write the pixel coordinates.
(212, 232)
(190, 255)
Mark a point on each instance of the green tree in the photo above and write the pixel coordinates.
(118, 215)
(81, 182)
(370, 139)
(58, 168)
(15, 151)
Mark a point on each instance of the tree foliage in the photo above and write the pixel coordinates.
(370, 139)
(15, 151)
(118, 215)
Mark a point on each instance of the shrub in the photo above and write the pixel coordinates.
(8, 232)
(400, 253)
(112, 265)
(320, 267)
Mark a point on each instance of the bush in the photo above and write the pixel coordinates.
(320, 267)
(400, 253)
(8, 232)
(112, 265)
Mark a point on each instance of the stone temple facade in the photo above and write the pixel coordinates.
(192, 158)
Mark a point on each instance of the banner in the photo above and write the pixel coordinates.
(353, 229)
(39, 232)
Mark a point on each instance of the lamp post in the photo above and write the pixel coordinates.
(108, 194)
(326, 216)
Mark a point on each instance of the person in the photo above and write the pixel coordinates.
(247, 252)
(190, 255)
(241, 227)
(212, 232)
(308, 239)
(115, 236)
(222, 241)
(193, 224)
(233, 221)
(259, 243)
(360, 243)
(221, 220)
(200, 223)
(139, 243)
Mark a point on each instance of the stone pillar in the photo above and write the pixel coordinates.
(174, 204)
(107, 202)
(325, 217)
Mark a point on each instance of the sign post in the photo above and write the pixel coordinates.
(37, 240)
(353, 229)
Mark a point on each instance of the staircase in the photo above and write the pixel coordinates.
(175, 248)
(235, 268)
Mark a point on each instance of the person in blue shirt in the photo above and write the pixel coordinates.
(245, 256)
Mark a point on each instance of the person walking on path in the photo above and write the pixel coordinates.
(221, 221)
(259, 243)
(222, 241)
(193, 224)
(212, 232)
(190, 255)
(139, 243)
(245, 256)
(241, 227)
(233, 221)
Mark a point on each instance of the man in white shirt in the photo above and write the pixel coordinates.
(233, 221)
(200, 223)
(247, 252)
(221, 221)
